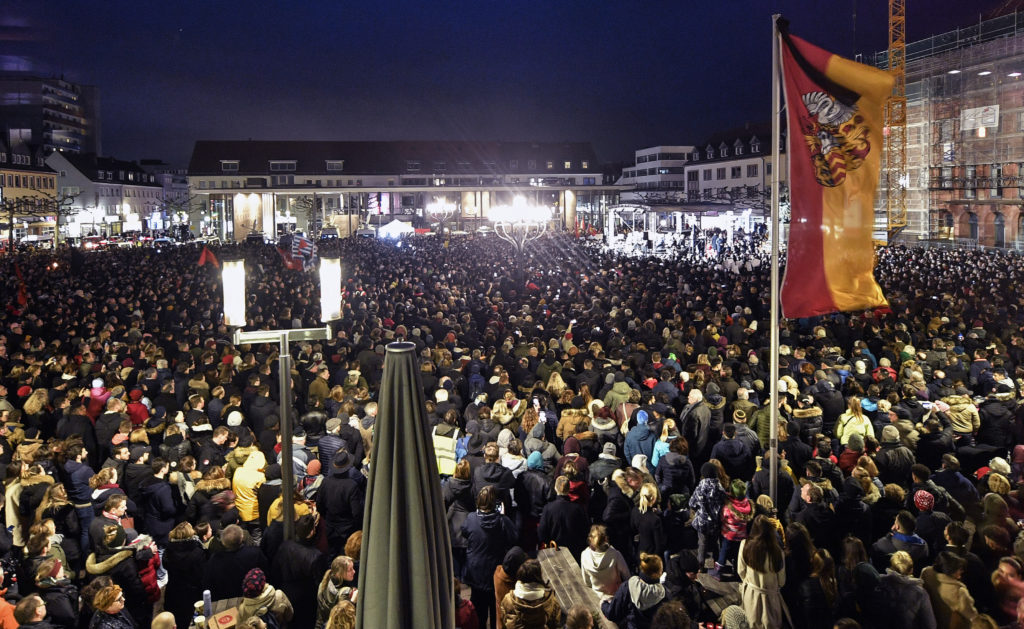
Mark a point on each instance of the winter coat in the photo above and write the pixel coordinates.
(7, 620)
(246, 480)
(65, 520)
(327, 596)
(488, 537)
(340, 501)
(963, 414)
(296, 570)
(849, 424)
(160, 509)
(532, 490)
(650, 532)
(270, 601)
(810, 420)
(736, 458)
(566, 523)
(225, 570)
(102, 620)
(952, 603)
(639, 440)
(695, 424)
(736, 516)
(707, 501)
(184, 561)
(61, 602)
(913, 545)
(996, 417)
(201, 507)
(604, 571)
(33, 488)
(915, 608)
(894, 461)
(119, 564)
(617, 517)
(531, 606)
(761, 593)
(497, 476)
(635, 603)
(619, 394)
(459, 502)
(674, 474)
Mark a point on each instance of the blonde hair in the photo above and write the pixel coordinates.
(902, 562)
(35, 402)
(648, 497)
(343, 616)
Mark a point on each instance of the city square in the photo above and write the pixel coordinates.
(479, 375)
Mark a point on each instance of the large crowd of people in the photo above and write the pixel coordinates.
(615, 406)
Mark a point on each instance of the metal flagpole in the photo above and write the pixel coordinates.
(773, 445)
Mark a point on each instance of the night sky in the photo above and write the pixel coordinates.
(620, 75)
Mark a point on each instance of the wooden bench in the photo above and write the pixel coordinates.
(727, 593)
(563, 574)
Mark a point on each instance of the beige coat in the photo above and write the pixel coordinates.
(953, 605)
(761, 594)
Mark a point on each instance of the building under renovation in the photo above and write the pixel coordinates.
(965, 135)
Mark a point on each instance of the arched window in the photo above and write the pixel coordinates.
(999, 223)
(972, 221)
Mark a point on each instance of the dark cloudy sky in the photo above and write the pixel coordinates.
(621, 75)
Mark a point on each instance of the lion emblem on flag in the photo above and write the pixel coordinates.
(836, 135)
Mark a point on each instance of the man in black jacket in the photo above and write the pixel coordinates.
(297, 569)
(227, 568)
(818, 517)
(159, 502)
(340, 501)
(901, 537)
(563, 521)
(491, 472)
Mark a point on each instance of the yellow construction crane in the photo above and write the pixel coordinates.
(896, 179)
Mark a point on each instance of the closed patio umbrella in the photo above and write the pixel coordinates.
(405, 576)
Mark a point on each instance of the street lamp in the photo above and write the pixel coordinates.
(519, 224)
(233, 280)
(442, 211)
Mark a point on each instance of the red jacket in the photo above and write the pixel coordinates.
(736, 515)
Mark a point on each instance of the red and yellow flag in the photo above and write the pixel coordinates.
(834, 109)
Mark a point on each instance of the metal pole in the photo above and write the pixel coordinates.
(773, 440)
(284, 365)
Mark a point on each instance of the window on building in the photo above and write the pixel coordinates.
(736, 172)
(584, 164)
(739, 149)
(751, 170)
(707, 174)
(693, 175)
(229, 165)
(202, 185)
(280, 165)
(550, 164)
(720, 173)
(440, 167)
(768, 168)
(755, 147)
(567, 165)
(513, 164)
(531, 164)
(335, 164)
(710, 153)
(412, 165)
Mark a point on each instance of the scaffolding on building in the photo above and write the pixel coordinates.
(963, 177)
(896, 122)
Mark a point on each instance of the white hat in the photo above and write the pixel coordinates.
(97, 383)
(234, 418)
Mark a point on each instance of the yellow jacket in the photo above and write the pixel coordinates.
(246, 481)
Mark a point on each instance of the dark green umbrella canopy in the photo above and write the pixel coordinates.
(405, 575)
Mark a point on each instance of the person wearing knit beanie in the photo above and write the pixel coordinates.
(924, 500)
(254, 582)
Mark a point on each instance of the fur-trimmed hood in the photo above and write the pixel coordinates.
(97, 566)
(213, 486)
